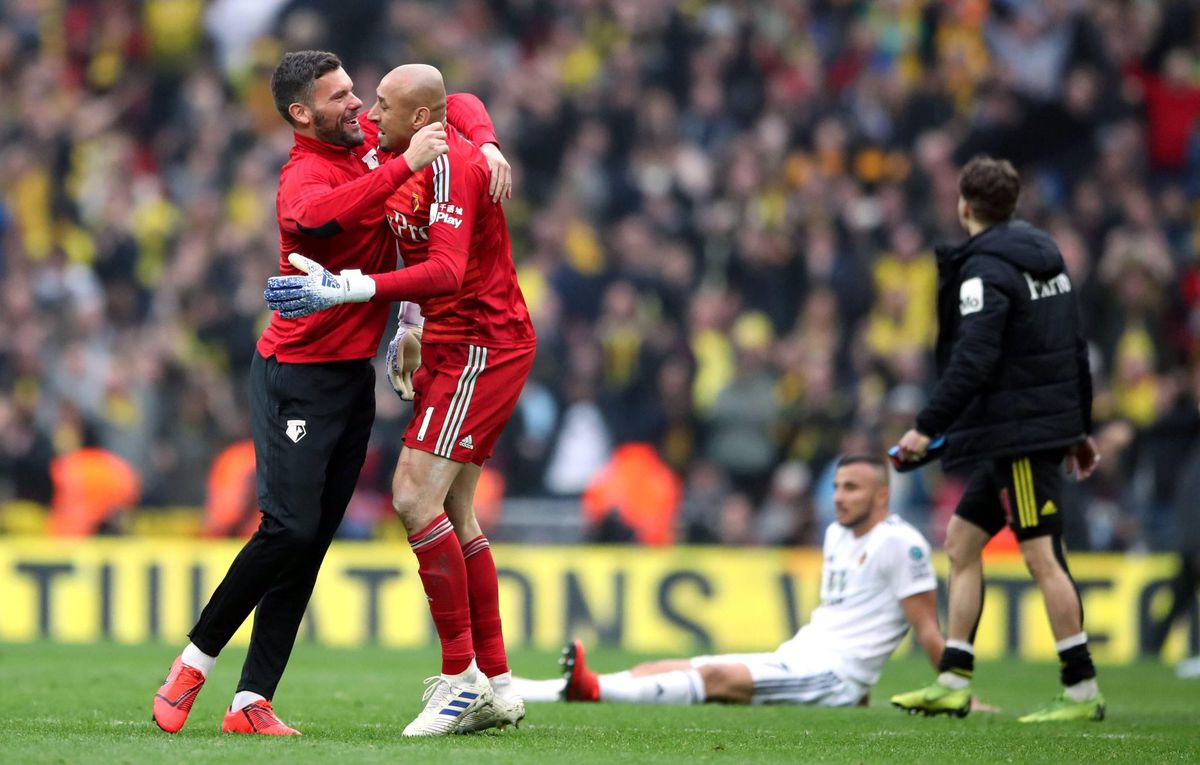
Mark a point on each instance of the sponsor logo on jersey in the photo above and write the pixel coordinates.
(1044, 288)
(970, 296)
(451, 215)
(402, 228)
(466, 442)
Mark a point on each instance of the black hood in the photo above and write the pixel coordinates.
(1028, 248)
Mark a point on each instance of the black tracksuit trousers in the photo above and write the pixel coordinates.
(311, 424)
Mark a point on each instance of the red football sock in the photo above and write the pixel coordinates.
(444, 575)
(486, 631)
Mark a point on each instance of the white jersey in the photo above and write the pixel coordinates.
(859, 621)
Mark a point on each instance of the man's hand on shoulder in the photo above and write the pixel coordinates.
(500, 186)
(426, 145)
(317, 290)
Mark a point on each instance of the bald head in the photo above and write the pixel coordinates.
(409, 98)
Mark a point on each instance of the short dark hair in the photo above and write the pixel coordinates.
(991, 187)
(865, 459)
(292, 82)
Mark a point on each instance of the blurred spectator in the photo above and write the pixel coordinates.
(95, 492)
(723, 228)
(634, 497)
(231, 508)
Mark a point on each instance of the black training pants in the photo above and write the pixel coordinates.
(311, 424)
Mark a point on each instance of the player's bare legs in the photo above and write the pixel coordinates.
(420, 486)
(951, 693)
(1058, 591)
(508, 708)
(419, 490)
(1080, 699)
(660, 666)
(964, 547)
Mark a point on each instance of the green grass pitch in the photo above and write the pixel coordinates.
(91, 704)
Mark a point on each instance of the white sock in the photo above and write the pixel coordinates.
(1070, 642)
(194, 657)
(537, 690)
(961, 645)
(243, 699)
(678, 687)
(502, 685)
(1084, 690)
(953, 681)
(469, 675)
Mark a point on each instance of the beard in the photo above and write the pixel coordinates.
(855, 521)
(337, 133)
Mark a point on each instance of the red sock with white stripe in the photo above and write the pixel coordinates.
(482, 586)
(444, 575)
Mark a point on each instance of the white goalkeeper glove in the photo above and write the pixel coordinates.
(404, 351)
(317, 290)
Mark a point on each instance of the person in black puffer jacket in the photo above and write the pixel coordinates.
(1013, 399)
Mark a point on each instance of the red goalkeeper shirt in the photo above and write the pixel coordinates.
(457, 256)
(330, 208)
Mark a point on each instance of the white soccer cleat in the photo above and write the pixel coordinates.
(505, 710)
(448, 701)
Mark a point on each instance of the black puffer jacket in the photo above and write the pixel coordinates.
(1012, 365)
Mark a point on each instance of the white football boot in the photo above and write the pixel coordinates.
(507, 708)
(448, 701)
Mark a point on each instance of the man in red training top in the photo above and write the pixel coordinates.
(478, 347)
(312, 384)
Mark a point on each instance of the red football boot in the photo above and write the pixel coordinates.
(582, 683)
(175, 698)
(257, 718)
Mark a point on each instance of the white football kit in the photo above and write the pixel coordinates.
(836, 658)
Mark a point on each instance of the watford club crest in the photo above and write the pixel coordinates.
(416, 202)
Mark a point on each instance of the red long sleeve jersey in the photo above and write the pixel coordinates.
(457, 255)
(330, 208)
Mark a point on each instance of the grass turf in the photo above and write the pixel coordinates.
(66, 704)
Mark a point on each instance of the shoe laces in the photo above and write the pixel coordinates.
(433, 685)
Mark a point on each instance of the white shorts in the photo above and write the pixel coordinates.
(791, 679)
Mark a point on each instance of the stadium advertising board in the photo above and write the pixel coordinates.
(660, 600)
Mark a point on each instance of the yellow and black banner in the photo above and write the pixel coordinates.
(678, 600)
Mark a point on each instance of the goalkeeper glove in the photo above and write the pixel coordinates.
(404, 351)
(317, 290)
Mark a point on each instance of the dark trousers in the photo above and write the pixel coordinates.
(311, 424)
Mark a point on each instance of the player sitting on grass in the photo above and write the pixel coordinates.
(877, 581)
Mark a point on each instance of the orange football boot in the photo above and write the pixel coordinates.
(257, 718)
(175, 698)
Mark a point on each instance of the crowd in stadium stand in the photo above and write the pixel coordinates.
(723, 226)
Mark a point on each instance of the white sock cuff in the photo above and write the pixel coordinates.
(699, 694)
(243, 699)
(961, 645)
(194, 657)
(1071, 642)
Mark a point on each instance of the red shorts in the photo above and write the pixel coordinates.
(464, 397)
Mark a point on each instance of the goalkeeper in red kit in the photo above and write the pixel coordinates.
(312, 384)
(477, 350)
